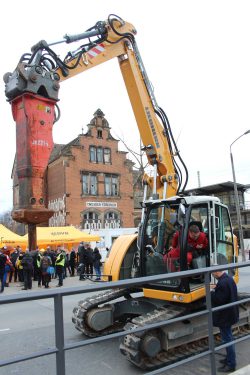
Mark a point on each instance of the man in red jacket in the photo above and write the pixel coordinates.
(196, 243)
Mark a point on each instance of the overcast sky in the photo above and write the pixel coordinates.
(197, 56)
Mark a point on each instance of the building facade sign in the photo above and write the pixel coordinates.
(102, 204)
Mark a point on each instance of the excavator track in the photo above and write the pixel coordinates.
(165, 358)
(90, 304)
(132, 344)
(134, 348)
(152, 349)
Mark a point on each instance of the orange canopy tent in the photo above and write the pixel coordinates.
(62, 235)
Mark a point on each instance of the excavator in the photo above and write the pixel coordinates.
(32, 89)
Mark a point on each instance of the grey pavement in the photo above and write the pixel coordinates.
(243, 371)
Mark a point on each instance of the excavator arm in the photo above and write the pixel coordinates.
(33, 90)
(118, 41)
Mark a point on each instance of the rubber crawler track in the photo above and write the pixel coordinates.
(132, 343)
(80, 312)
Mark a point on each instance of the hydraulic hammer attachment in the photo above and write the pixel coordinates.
(34, 116)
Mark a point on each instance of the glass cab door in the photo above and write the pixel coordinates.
(167, 249)
(224, 240)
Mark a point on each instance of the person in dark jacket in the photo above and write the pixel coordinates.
(8, 266)
(225, 292)
(37, 269)
(3, 259)
(72, 262)
(44, 264)
(52, 255)
(89, 261)
(13, 258)
(82, 258)
(27, 263)
(38, 259)
(97, 263)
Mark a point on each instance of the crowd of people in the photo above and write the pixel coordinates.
(43, 265)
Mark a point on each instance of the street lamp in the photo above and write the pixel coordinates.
(237, 203)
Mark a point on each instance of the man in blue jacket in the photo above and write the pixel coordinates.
(225, 292)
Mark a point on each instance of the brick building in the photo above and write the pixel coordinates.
(90, 182)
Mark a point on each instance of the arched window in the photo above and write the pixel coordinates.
(112, 219)
(91, 220)
(111, 215)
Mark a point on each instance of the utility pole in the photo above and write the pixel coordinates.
(199, 179)
(237, 203)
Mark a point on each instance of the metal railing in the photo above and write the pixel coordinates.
(61, 346)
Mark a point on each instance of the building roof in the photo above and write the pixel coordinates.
(63, 150)
(103, 121)
(217, 188)
(97, 121)
(55, 152)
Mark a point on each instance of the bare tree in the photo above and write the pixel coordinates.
(6, 219)
(139, 159)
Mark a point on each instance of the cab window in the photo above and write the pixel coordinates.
(224, 236)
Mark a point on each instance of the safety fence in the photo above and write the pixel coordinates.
(61, 346)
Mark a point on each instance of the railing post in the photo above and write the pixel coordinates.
(210, 324)
(59, 333)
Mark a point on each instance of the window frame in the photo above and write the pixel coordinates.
(105, 154)
(92, 152)
(99, 155)
(113, 187)
(89, 177)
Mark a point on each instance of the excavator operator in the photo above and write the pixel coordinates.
(197, 243)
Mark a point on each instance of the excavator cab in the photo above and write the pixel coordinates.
(162, 220)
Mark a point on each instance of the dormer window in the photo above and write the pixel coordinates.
(99, 133)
